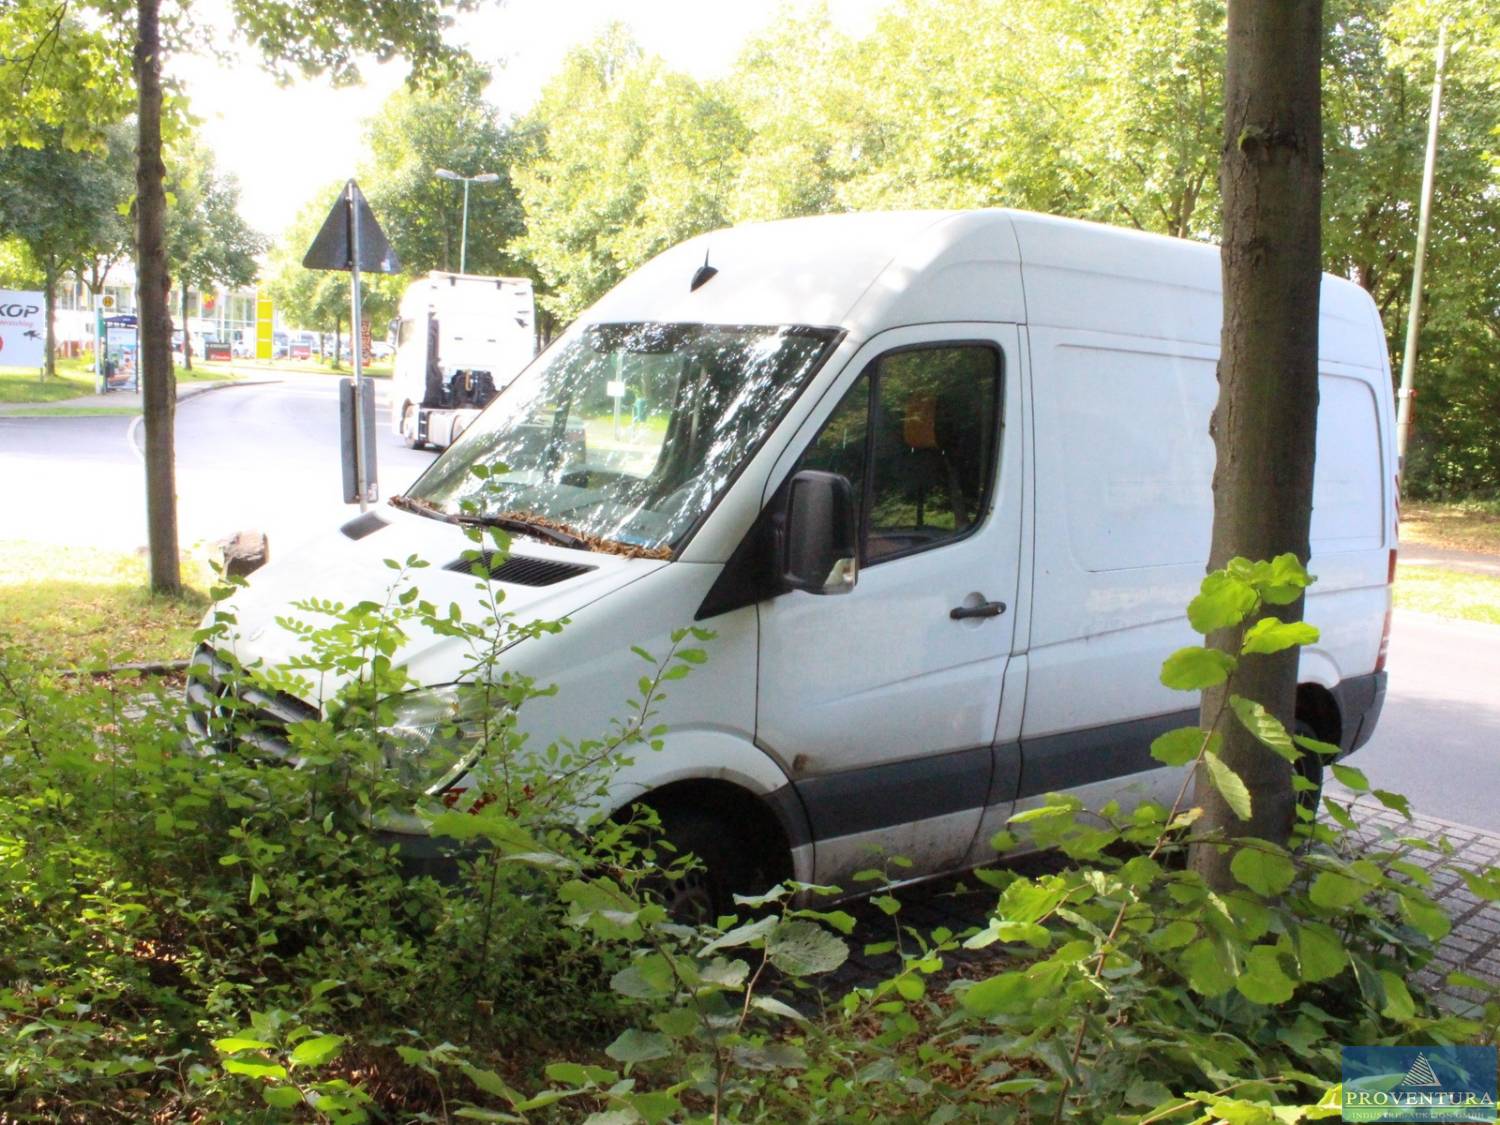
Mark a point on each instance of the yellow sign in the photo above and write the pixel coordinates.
(265, 315)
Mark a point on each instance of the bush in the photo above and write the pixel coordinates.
(212, 936)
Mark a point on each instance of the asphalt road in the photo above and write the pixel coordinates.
(263, 457)
(1438, 741)
(266, 457)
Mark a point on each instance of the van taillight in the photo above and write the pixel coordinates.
(1385, 628)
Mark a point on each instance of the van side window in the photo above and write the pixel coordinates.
(840, 446)
(932, 415)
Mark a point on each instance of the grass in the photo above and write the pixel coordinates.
(66, 608)
(1448, 593)
(1470, 526)
(20, 384)
(75, 379)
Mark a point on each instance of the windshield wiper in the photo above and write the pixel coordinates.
(528, 525)
(421, 507)
(538, 526)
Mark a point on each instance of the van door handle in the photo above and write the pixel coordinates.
(983, 609)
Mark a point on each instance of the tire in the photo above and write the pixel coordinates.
(409, 427)
(703, 893)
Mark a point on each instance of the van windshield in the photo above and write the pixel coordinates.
(623, 435)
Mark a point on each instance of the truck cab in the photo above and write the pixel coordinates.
(460, 338)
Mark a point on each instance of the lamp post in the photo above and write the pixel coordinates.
(482, 178)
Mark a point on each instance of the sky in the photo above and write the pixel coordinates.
(284, 143)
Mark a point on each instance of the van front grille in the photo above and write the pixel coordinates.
(226, 711)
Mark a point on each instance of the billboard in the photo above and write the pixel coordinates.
(23, 329)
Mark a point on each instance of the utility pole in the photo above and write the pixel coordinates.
(1406, 394)
(482, 178)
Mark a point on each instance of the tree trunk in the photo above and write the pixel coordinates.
(338, 339)
(158, 390)
(187, 338)
(49, 299)
(1264, 424)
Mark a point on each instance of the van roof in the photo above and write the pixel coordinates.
(867, 272)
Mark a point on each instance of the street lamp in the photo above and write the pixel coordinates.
(482, 178)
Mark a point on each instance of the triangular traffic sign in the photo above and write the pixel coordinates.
(333, 249)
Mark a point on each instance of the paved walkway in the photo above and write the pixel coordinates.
(1472, 947)
(1468, 562)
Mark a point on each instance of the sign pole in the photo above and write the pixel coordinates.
(360, 454)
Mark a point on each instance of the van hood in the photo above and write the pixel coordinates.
(367, 560)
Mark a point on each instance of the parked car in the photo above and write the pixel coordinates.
(940, 484)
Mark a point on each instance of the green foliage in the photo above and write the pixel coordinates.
(208, 243)
(452, 127)
(217, 936)
(634, 159)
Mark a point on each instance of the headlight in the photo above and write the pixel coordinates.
(434, 735)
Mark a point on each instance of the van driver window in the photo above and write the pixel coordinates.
(932, 415)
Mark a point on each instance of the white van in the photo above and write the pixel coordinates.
(940, 485)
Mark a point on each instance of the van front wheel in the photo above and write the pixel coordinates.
(705, 890)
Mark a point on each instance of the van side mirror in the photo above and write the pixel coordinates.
(818, 545)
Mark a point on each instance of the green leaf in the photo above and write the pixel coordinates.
(1179, 747)
(316, 1051)
(1271, 634)
(1320, 952)
(1398, 1001)
(1350, 777)
(492, 1083)
(1223, 600)
(257, 888)
(1003, 992)
(1195, 668)
(654, 1106)
(1483, 884)
(777, 1008)
(636, 1046)
(571, 1074)
(1282, 580)
(1316, 746)
(1174, 935)
(254, 1069)
(1263, 980)
(1265, 872)
(1206, 968)
(1393, 801)
(805, 948)
(1230, 787)
(741, 935)
(1333, 891)
(1267, 729)
(281, 1097)
(235, 1043)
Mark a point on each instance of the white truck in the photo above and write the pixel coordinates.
(460, 338)
(940, 484)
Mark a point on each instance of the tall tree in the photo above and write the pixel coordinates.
(1265, 421)
(65, 208)
(632, 158)
(417, 132)
(208, 243)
